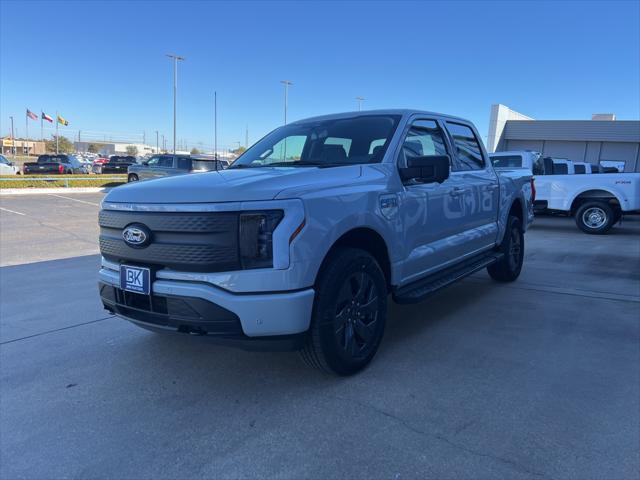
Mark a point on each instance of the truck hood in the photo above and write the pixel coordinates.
(232, 185)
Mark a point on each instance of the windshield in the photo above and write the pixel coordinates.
(336, 142)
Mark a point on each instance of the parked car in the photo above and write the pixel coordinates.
(7, 167)
(596, 201)
(167, 165)
(117, 164)
(55, 164)
(298, 244)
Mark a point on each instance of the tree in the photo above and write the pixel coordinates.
(64, 145)
(195, 151)
(239, 150)
(132, 150)
(93, 148)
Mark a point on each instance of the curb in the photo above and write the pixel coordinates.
(40, 191)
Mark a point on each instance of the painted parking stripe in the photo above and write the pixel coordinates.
(13, 211)
(74, 199)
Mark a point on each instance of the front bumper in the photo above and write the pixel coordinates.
(246, 320)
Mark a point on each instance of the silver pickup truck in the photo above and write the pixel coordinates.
(299, 243)
(167, 165)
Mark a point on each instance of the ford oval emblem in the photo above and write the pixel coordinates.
(136, 235)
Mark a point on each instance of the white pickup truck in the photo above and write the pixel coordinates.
(597, 201)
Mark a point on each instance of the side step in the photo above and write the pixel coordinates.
(422, 288)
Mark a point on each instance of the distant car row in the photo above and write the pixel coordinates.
(136, 169)
(169, 165)
(61, 164)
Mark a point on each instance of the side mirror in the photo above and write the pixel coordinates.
(145, 163)
(427, 169)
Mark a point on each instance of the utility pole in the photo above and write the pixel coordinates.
(157, 146)
(286, 83)
(57, 135)
(215, 125)
(246, 137)
(175, 93)
(164, 143)
(359, 99)
(26, 138)
(13, 139)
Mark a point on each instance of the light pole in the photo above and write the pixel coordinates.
(164, 144)
(175, 93)
(215, 125)
(286, 83)
(13, 139)
(359, 99)
(157, 143)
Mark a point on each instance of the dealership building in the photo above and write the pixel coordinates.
(602, 140)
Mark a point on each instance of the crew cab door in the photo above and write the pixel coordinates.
(166, 166)
(433, 214)
(477, 187)
(183, 166)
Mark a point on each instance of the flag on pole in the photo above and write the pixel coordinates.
(62, 121)
(31, 115)
(47, 117)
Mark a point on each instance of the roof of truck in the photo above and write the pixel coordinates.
(392, 111)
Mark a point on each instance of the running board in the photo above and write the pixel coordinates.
(421, 289)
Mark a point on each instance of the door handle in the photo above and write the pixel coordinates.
(457, 191)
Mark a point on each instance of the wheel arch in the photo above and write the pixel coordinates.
(367, 239)
(594, 194)
(517, 209)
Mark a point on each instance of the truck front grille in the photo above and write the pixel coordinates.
(185, 241)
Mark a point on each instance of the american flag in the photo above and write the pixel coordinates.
(31, 115)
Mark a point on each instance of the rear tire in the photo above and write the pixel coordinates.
(595, 218)
(512, 248)
(132, 178)
(349, 313)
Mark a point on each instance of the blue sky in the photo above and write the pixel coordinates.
(103, 65)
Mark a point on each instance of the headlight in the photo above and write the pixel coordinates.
(256, 238)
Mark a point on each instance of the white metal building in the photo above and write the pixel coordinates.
(602, 140)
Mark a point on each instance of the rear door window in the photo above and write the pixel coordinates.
(468, 150)
(166, 162)
(184, 163)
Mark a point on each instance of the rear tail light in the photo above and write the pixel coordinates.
(533, 189)
(60, 169)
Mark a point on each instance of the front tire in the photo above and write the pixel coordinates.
(349, 313)
(595, 218)
(132, 178)
(512, 248)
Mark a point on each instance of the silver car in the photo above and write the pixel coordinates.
(167, 165)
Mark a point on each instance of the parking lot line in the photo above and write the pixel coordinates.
(74, 199)
(13, 211)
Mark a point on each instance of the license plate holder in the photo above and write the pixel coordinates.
(135, 279)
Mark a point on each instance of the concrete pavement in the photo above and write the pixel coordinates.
(535, 379)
